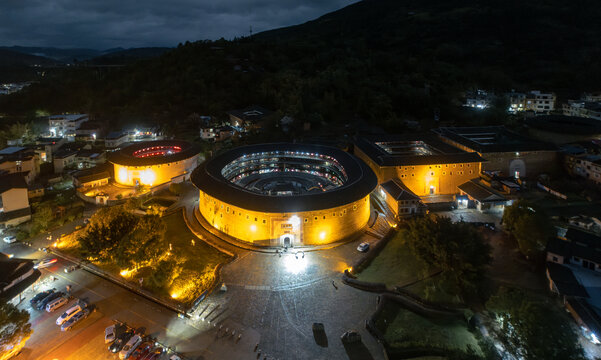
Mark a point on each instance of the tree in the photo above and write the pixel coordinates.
(15, 330)
(529, 226)
(456, 248)
(534, 328)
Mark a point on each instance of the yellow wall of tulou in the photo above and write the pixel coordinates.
(155, 174)
(306, 228)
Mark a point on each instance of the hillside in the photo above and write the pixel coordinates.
(383, 61)
(127, 56)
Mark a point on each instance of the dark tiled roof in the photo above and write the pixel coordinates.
(94, 173)
(15, 214)
(443, 153)
(579, 243)
(361, 181)
(93, 177)
(480, 192)
(498, 139)
(398, 190)
(12, 181)
(251, 113)
(11, 269)
(587, 313)
(115, 135)
(125, 155)
(565, 281)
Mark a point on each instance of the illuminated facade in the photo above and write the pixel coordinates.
(154, 163)
(423, 163)
(285, 194)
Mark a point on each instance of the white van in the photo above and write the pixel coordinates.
(56, 303)
(131, 345)
(68, 314)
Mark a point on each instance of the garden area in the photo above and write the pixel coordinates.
(405, 330)
(158, 253)
(433, 258)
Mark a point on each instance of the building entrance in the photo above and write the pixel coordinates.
(287, 240)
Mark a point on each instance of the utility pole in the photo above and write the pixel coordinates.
(251, 31)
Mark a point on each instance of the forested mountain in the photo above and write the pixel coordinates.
(381, 60)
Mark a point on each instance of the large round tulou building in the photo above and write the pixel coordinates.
(153, 163)
(285, 194)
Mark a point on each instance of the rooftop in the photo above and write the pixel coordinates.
(486, 139)
(413, 149)
(12, 181)
(480, 192)
(68, 117)
(251, 113)
(11, 150)
(565, 281)
(398, 190)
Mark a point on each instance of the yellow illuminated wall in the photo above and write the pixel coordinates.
(422, 180)
(155, 174)
(304, 228)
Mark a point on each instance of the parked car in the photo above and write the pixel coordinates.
(45, 263)
(130, 346)
(120, 340)
(10, 239)
(42, 304)
(69, 313)
(68, 325)
(363, 247)
(113, 331)
(155, 354)
(40, 296)
(351, 336)
(71, 268)
(56, 303)
(143, 349)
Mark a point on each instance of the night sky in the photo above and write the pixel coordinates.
(102, 24)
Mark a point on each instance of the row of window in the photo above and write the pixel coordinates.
(315, 218)
(435, 166)
(403, 176)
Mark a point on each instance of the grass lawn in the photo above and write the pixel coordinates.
(436, 289)
(395, 265)
(403, 328)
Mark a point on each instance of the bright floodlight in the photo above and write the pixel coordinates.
(295, 265)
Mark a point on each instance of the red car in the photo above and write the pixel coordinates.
(154, 355)
(141, 351)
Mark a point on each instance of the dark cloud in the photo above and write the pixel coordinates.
(134, 23)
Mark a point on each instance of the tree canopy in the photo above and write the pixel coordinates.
(529, 225)
(458, 249)
(534, 328)
(15, 329)
(116, 234)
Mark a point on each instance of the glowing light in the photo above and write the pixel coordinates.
(55, 244)
(294, 221)
(147, 177)
(253, 228)
(174, 295)
(126, 272)
(295, 265)
(122, 174)
(322, 235)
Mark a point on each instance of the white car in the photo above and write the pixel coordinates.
(75, 319)
(68, 314)
(10, 239)
(363, 247)
(129, 348)
(56, 303)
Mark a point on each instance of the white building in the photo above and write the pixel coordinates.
(65, 125)
(540, 102)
